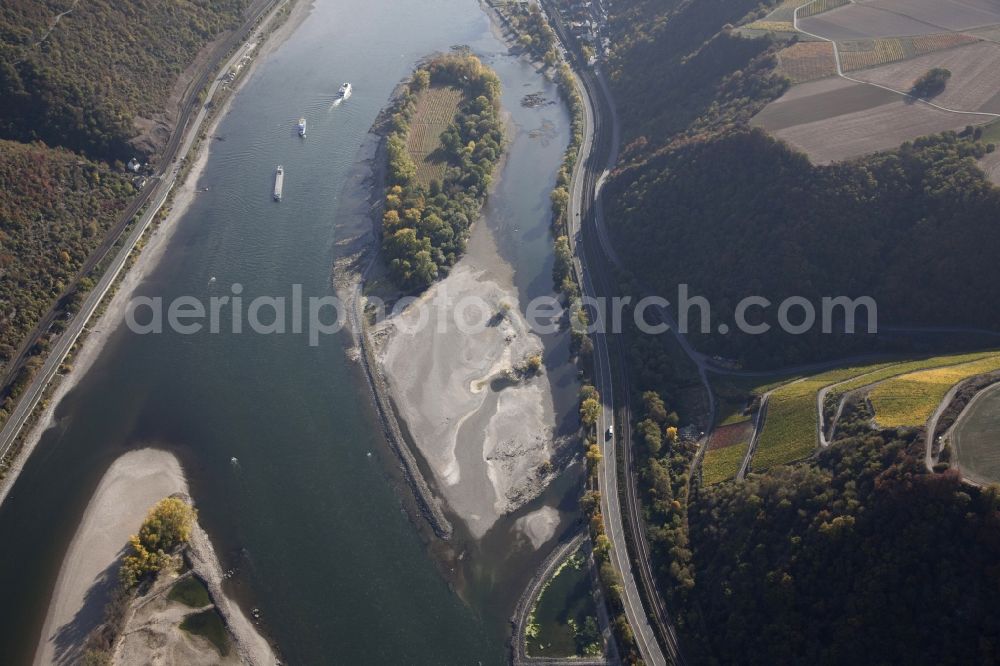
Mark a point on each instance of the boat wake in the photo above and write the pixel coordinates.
(342, 94)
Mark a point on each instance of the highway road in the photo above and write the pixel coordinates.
(155, 194)
(598, 152)
(149, 192)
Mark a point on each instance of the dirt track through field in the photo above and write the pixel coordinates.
(897, 18)
(828, 101)
(975, 74)
(839, 118)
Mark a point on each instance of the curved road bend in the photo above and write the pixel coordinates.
(519, 643)
(155, 193)
(840, 69)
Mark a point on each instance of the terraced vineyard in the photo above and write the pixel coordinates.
(931, 43)
(864, 53)
(782, 19)
(910, 399)
(807, 61)
(819, 6)
(725, 453)
(789, 432)
(905, 393)
(436, 109)
(897, 369)
(771, 26)
(882, 51)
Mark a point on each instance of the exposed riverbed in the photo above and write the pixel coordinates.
(310, 516)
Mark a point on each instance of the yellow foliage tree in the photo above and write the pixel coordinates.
(594, 456)
(602, 546)
(168, 524)
(390, 221)
(590, 409)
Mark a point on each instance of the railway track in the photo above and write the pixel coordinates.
(145, 195)
(592, 267)
(152, 197)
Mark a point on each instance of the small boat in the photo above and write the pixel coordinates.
(279, 182)
(302, 127)
(345, 91)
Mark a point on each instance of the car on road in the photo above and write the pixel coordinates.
(610, 432)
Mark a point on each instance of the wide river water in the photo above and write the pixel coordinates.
(311, 517)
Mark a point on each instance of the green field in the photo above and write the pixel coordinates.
(991, 132)
(733, 394)
(910, 399)
(435, 111)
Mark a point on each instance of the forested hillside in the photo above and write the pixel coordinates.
(55, 209)
(740, 214)
(680, 72)
(861, 557)
(703, 199)
(81, 82)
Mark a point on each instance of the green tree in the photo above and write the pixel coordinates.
(654, 406)
(932, 83)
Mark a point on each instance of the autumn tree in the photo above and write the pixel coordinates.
(168, 525)
(590, 409)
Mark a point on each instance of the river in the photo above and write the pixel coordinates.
(312, 517)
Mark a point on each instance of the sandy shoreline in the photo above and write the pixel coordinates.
(106, 525)
(157, 239)
(483, 437)
(130, 487)
(89, 572)
(487, 439)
